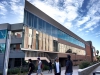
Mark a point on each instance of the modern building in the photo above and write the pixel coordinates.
(41, 36)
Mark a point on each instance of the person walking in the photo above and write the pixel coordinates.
(31, 67)
(57, 67)
(69, 66)
(50, 67)
(39, 71)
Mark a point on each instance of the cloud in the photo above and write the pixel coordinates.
(68, 25)
(87, 31)
(82, 20)
(17, 9)
(97, 34)
(91, 19)
(3, 10)
(64, 13)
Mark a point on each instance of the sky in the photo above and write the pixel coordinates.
(82, 17)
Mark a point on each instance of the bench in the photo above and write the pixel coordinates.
(97, 72)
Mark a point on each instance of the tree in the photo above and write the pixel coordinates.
(97, 52)
(69, 51)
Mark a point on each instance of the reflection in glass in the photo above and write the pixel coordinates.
(41, 25)
(3, 34)
(2, 48)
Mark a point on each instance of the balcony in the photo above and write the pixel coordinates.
(16, 40)
(16, 54)
(17, 27)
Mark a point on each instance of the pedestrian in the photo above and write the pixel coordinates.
(31, 67)
(50, 67)
(39, 70)
(57, 67)
(69, 66)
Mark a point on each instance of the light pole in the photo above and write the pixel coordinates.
(6, 54)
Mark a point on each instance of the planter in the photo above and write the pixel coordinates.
(88, 70)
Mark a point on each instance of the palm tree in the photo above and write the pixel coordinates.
(97, 52)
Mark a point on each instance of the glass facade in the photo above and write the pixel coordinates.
(2, 47)
(3, 34)
(35, 22)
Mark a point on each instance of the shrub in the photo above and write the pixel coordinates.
(24, 69)
(13, 71)
(84, 65)
(0, 73)
(46, 67)
(17, 70)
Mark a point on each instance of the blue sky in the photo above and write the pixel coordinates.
(80, 16)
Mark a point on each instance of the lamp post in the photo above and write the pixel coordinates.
(6, 54)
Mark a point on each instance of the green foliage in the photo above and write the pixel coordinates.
(97, 52)
(17, 70)
(0, 73)
(13, 71)
(69, 51)
(46, 67)
(84, 65)
(98, 58)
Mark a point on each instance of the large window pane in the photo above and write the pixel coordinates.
(47, 28)
(32, 20)
(2, 48)
(3, 34)
(24, 17)
(44, 26)
(35, 22)
(40, 24)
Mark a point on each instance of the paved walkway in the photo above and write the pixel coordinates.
(75, 71)
(97, 69)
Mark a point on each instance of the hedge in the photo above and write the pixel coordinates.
(84, 64)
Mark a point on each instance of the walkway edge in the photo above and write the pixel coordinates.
(88, 70)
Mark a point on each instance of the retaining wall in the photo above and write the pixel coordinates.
(88, 70)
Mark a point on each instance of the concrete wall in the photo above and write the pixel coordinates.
(2, 40)
(17, 54)
(88, 70)
(13, 54)
(16, 40)
(1, 61)
(4, 26)
(17, 27)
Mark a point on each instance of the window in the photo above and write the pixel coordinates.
(44, 26)
(40, 24)
(55, 46)
(3, 34)
(37, 41)
(37, 23)
(2, 47)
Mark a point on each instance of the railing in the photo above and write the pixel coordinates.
(15, 51)
(52, 60)
(47, 56)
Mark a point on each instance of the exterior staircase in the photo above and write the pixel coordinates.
(43, 56)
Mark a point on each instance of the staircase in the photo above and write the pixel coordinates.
(43, 56)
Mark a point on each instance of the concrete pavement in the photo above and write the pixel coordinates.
(97, 69)
(75, 71)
